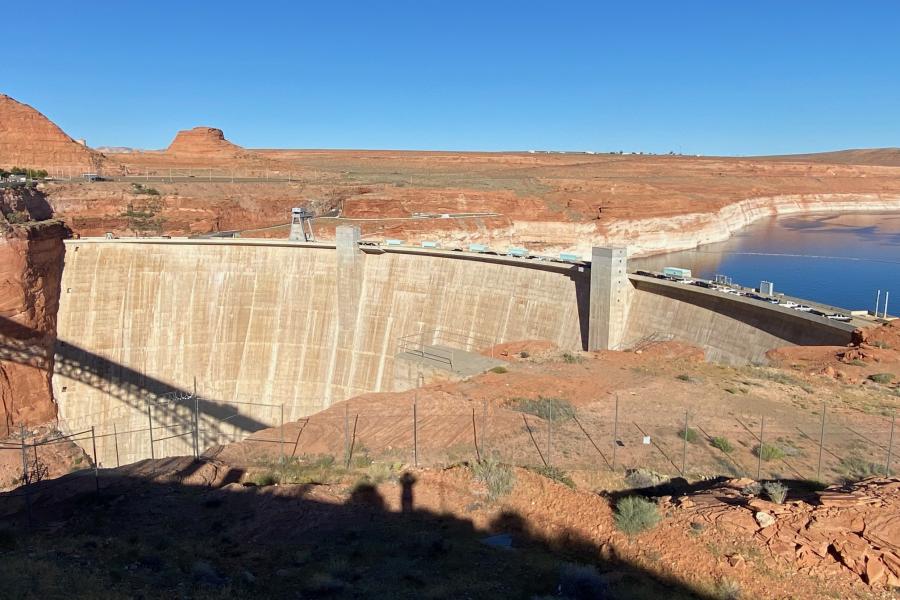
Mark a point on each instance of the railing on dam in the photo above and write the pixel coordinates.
(438, 344)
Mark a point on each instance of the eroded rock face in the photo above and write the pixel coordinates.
(29, 139)
(203, 141)
(31, 260)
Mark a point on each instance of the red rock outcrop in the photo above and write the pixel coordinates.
(29, 139)
(31, 258)
(204, 141)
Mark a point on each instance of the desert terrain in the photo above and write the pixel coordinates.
(511, 482)
(548, 202)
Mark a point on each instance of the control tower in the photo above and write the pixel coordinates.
(301, 225)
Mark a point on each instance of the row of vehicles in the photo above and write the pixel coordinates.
(685, 277)
(514, 252)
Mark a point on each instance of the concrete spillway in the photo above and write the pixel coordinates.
(305, 325)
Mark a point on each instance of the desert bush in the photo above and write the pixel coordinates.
(137, 188)
(499, 369)
(264, 478)
(857, 363)
(524, 354)
(572, 359)
(727, 589)
(776, 491)
(855, 467)
(635, 514)
(722, 444)
(554, 473)
(689, 434)
(684, 377)
(768, 452)
(550, 409)
(499, 479)
(881, 344)
(581, 582)
(17, 217)
(752, 489)
(882, 377)
(644, 478)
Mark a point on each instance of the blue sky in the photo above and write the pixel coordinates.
(706, 77)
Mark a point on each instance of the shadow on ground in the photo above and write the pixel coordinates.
(145, 539)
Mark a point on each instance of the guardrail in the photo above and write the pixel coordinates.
(425, 344)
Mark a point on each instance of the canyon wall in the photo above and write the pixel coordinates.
(31, 258)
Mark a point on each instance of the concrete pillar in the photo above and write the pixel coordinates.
(609, 298)
(348, 295)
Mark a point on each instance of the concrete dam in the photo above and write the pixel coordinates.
(289, 328)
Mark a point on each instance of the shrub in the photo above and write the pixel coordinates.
(722, 444)
(882, 377)
(644, 478)
(689, 434)
(571, 359)
(17, 217)
(265, 478)
(684, 377)
(768, 452)
(857, 362)
(855, 467)
(752, 489)
(524, 354)
(550, 409)
(776, 491)
(727, 589)
(499, 479)
(882, 345)
(581, 582)
(556, 474)
(635, 514)
(499, 369)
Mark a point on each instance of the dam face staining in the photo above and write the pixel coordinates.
(298, 326)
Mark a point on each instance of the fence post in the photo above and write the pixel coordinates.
(116, 443)
(759, 452)
(415, 433)
(684, 445)
(484, 426)
(282, 434)
(475, 437)
(96, 467)
(196, 422)
(887, 464)
(821, 444)
(615, 434)
(347, 434)
(549, 430)
(150, 421)
(25, 473)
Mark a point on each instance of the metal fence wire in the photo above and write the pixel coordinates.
(613, 435)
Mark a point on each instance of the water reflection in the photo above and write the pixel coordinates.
(838, 259)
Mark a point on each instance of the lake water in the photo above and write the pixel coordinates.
(836, 259)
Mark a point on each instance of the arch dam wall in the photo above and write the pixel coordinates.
(278, 323)
(301, 326)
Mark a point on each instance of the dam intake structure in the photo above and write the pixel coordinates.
(297, 326)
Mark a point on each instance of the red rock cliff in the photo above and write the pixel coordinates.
(31, 260)
(203, 141)
(29, 139)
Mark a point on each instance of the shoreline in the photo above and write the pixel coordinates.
(694, 230)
